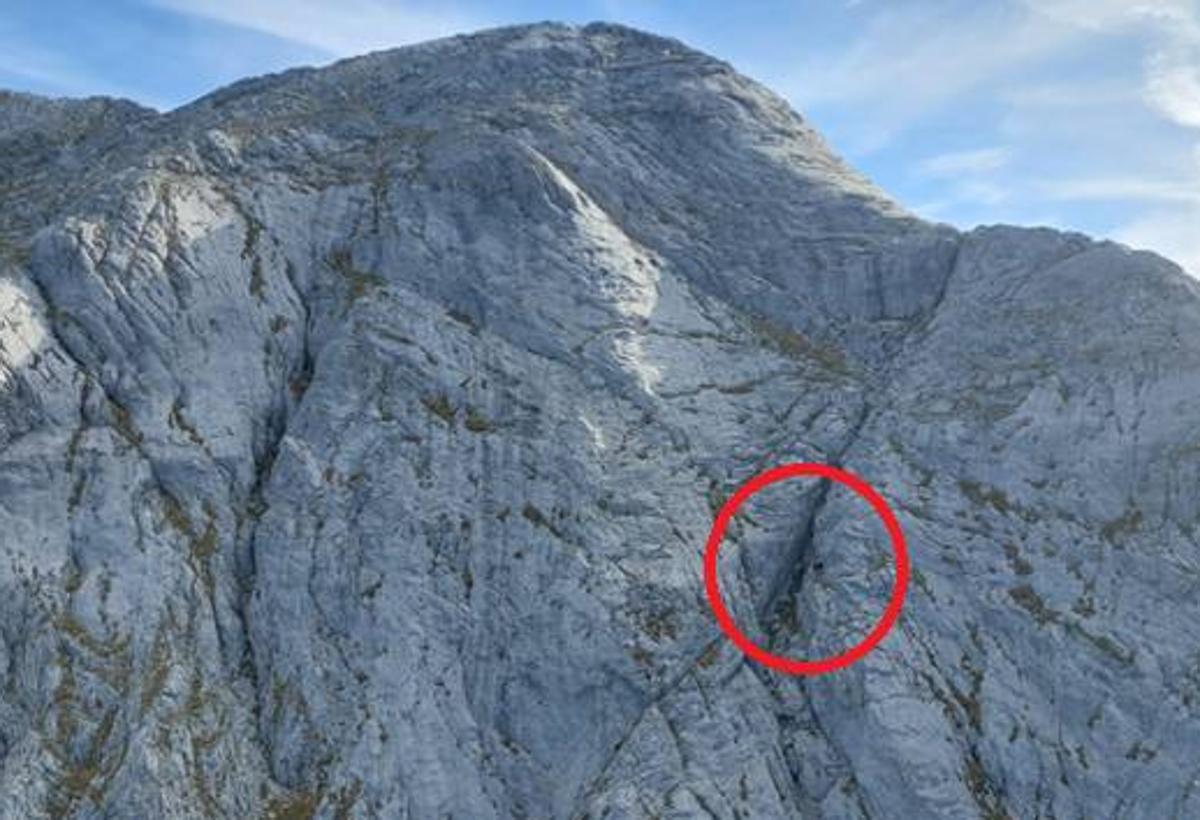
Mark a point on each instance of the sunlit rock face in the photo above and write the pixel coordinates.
(361, 429)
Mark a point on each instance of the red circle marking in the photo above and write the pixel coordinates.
(899, 585)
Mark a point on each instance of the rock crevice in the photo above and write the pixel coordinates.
(362, 427)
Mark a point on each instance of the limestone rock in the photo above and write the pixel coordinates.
(361, 429)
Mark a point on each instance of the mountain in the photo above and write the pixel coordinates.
(361, 429)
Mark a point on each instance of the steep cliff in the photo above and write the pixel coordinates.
(361, 428)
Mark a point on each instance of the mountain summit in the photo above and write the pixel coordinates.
(361, 429)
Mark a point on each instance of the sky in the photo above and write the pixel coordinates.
(1078, 114)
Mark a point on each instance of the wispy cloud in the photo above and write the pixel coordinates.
(912, 60)
(1104, 15)
(1173, 87)
(1049, 73)
(1076, 94)
(1171, 90)
(48, 73)
(1122, 189)
(958, 163)
(1169, 232)
(340, 29)
(971, 196)
(965, 181)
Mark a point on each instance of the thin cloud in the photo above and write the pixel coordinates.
(1119, 189)
(1173, 88)
(1171, 233)
(905, 69)
(913, 60)
(1171, 85)
(973, 196)
(1106, 15)
(1072, 95)
(959, 163)
(339, 29)
(48, 73)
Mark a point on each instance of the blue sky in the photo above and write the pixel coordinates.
(1081, 114)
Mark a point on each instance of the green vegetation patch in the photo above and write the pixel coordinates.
(440, 406)
(1031, 602)
(476, 422)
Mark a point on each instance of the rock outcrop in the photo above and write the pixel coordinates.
(361, 429)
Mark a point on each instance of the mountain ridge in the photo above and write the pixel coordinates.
(360, 428)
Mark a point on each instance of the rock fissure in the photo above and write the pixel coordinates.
(697, 287)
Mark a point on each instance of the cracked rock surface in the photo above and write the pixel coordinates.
(361, 429)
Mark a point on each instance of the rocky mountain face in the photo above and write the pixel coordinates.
(361, 429)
